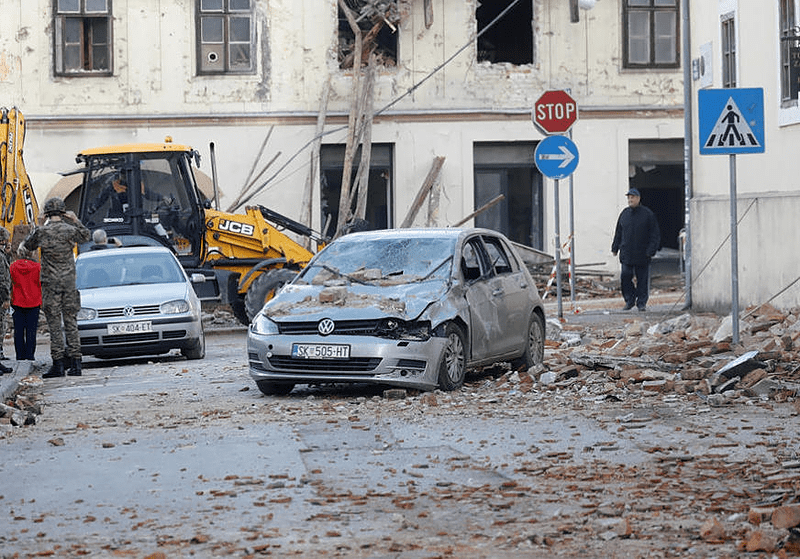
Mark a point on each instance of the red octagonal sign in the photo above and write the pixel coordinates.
(555, 112)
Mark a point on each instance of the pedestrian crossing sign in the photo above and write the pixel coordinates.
(731, 121)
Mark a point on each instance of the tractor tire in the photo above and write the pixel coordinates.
(238, 311)
(264, 288)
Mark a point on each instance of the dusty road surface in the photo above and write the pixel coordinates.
(173, 458)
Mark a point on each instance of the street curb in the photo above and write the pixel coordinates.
(9, 383)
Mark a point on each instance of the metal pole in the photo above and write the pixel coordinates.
(571, 239)
(687, 152)
(558, 250)
(734, 253)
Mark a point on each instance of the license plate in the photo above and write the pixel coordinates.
(130, 327)
(320, 351)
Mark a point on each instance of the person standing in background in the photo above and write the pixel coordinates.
(5, 293)
(26, 299)
(61, 300)
(637, 238)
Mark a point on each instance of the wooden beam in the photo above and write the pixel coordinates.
(482, 209)
(430, 180)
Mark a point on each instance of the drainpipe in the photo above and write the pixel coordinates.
(687, 150)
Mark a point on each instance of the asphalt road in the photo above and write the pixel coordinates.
(187, 458)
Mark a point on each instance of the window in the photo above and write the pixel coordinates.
(790, 52)
(82, 37)
(377, 22)
(508, 169)
(225, 37)
(728, 43)
(379, 211)
(509, 38)
(651, 33)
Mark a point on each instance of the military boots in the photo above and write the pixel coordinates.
(56, 369)
(75, 367)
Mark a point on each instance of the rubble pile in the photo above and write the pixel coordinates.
(22, 410)
(687, 354)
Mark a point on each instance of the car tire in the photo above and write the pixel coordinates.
(453, 363)
(534, 345)
(264, 288)
(197, 350)
(269, 388)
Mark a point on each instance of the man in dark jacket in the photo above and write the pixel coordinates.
(637, 239)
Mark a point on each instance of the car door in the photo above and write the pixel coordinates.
(510, 291)
(484, 317)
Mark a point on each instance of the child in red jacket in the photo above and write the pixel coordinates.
(26, 298)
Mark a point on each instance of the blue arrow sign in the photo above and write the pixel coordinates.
(731, 120)
(556, 157)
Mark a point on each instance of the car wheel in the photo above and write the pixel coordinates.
(264, 288)
(453, 364)
(269, 388)
(197, 350)
(534, 346)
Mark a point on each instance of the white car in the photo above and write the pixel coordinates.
(137, 301)
(409, 307)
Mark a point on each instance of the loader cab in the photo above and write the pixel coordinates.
(145, 194)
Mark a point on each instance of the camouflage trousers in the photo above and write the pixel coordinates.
(3, 327)
(61, 306)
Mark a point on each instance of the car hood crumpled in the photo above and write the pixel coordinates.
(133, 295)
(355, 301)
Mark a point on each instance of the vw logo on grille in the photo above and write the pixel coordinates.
(326, 326)
(128, 311)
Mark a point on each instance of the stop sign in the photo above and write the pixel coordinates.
(555, 112)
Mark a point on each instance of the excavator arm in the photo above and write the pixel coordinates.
(18, 204)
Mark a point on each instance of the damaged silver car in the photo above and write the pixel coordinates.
(412, 308)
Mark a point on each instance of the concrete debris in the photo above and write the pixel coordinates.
(23, 410)
(687, 354)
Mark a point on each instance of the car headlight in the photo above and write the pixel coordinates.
(87, 314)
(175, 307)
(262, 325)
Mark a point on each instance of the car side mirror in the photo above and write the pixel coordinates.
(198, 278)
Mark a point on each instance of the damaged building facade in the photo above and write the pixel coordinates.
(748, 45)
(444, 95)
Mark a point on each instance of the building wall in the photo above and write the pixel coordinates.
(155, 92)
(767, 185)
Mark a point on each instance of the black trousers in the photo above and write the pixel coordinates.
(26, 321)
(635, 293)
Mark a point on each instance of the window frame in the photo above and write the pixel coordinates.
(789, 36)
(728, 47)
(205, 50)
(86, 45)
(652, 9)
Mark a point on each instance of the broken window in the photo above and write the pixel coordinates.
(225, 36)
(651, 33)
(508, 169)
(790, 53)
(82, 37)
(377, 21)
(379, 210)
(508, 38)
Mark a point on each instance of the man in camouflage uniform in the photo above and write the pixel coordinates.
(5, 292)
(61, 300)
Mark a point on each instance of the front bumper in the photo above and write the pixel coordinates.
(402, 363)
(173, 332)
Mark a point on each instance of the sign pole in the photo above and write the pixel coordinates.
(558, 250)
(734, 253)
(571, 239)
